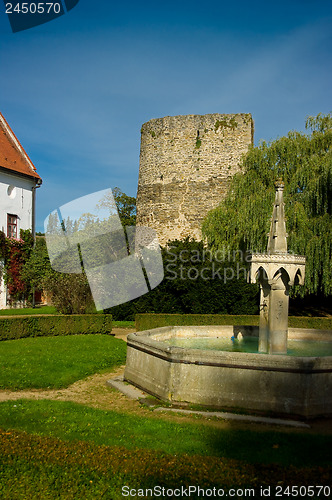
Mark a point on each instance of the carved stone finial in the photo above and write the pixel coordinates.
(277, 242)
(276, 271)
(279, 183)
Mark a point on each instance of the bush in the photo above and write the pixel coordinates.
(196, 282)
(15, 252)
(36, 326)
(69, 293)
(148, 321)
(309, 322)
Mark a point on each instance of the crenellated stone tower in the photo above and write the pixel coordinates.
(186, 163)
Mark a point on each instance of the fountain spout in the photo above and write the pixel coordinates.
(276, 271)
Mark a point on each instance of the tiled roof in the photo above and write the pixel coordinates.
(12, 155)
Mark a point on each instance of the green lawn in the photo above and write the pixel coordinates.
(34, 467)
(29, 310)
(54, 449)
(56, 362)
(52, 310)
(60, 449)
(74, 422)
(123, 324)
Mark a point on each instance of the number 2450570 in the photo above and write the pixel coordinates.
(33, 8)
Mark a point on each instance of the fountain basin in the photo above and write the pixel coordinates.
(274, 384)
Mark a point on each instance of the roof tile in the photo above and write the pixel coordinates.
(12, 155)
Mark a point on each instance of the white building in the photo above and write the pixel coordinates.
(18, 183)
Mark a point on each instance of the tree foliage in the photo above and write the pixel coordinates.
(195, 282)
(69, 293)
(126, 206)
(304, 162)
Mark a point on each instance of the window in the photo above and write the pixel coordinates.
(11, 226)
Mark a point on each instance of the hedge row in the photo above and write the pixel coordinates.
(37, 326)
(148, 321)
(310, 322)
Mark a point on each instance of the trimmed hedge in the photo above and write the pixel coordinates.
(310, 322)
(37, 326)
(148, 321)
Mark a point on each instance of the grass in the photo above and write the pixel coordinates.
(41, 467)
(123, 324)
(61, 449)
(74, 422)
(52, 310)
(28, 311)
(56, 362)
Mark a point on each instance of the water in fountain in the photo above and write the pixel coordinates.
(250, 344)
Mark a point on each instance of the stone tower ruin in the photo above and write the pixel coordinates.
(186, 163)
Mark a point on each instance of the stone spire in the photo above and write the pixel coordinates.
(276, 272)
(277, 242)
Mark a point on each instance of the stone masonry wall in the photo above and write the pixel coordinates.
(186, 163)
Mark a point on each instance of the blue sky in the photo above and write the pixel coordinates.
(76, 90)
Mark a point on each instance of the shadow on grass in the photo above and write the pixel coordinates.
(73, 422)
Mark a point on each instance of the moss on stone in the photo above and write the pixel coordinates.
(220, 124)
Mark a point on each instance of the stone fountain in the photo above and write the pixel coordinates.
(165, 362)
(276, 271)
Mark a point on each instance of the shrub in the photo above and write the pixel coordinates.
(15, 252)
(35, 326)
(196, 282)
(148, 321)
(69, 293)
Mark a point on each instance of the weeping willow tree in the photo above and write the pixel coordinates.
(304, 162)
